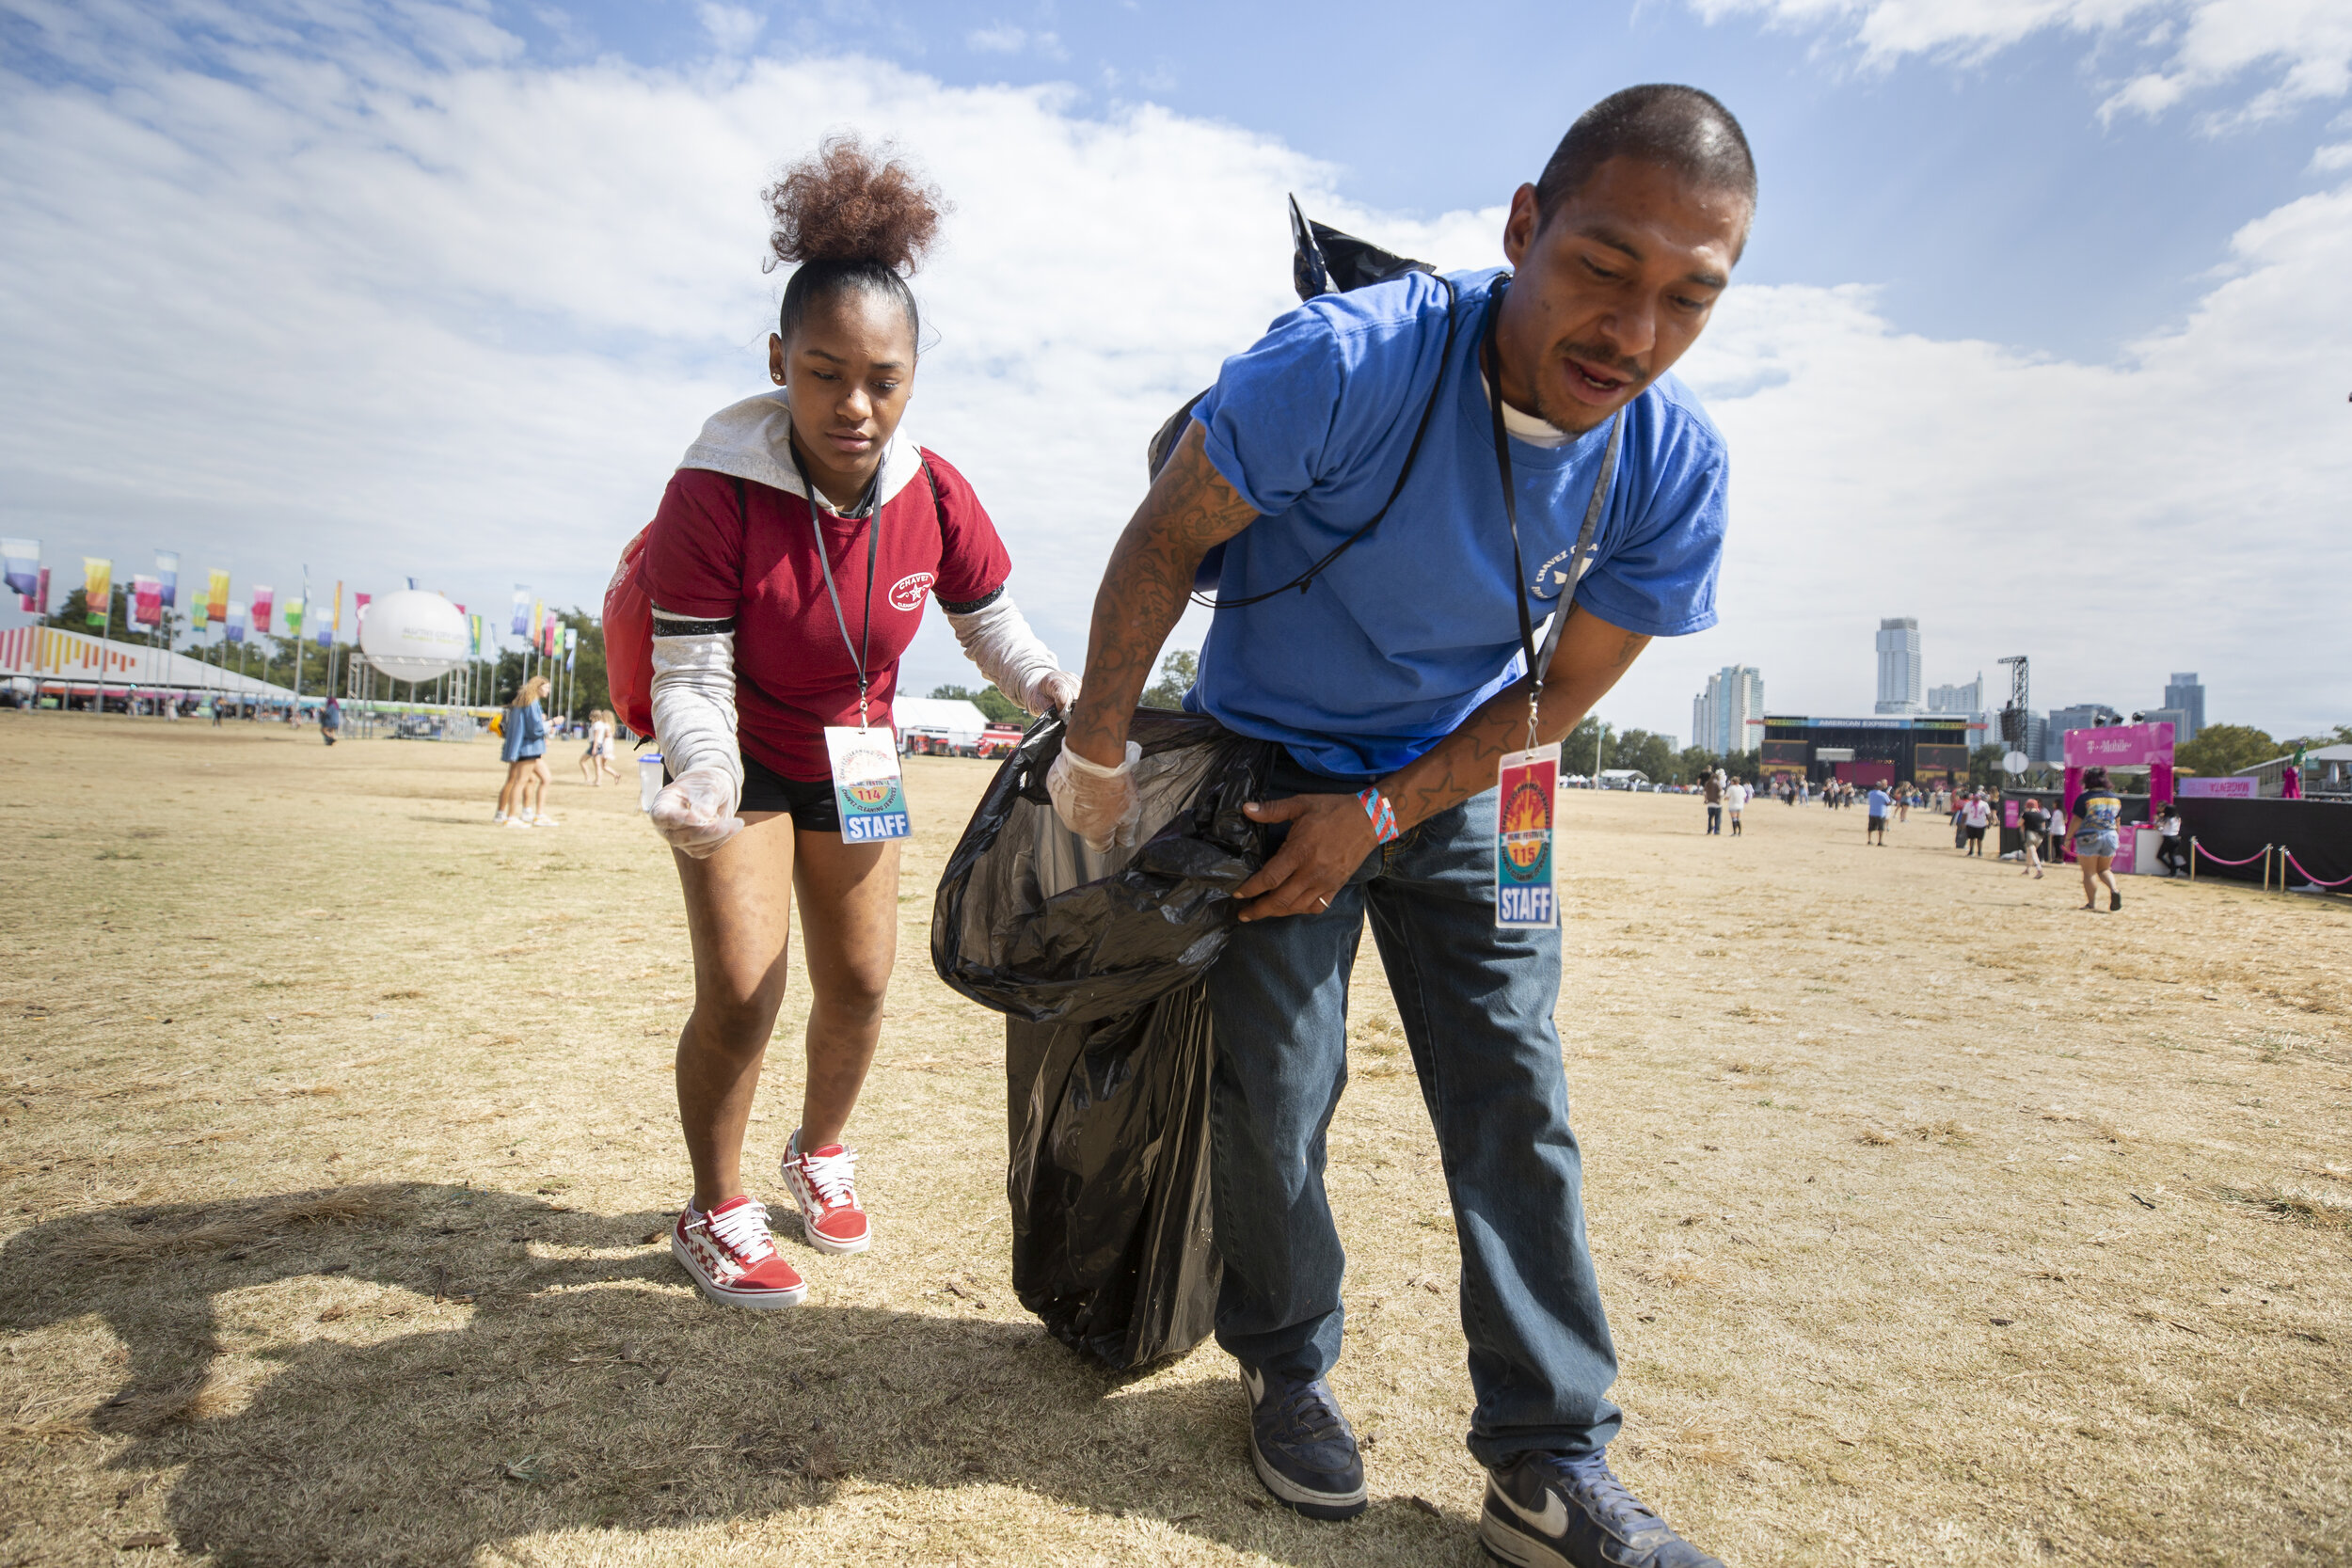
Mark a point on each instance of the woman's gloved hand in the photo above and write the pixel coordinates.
(1050, 691)
(695, 812)
(1100, 804)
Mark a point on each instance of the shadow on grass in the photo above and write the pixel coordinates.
(595, 1392)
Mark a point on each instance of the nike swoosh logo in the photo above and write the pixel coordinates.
(1255, 1384)
(1552, 1521)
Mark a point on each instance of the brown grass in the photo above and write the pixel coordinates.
(1939, 1223)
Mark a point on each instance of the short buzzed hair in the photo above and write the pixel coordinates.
(1681, 128)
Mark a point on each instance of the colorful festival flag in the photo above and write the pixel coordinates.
(217, 596)
(522, 612)
(359, 606)
(22, 558)
(264, 597)
(293, 619)
(474, 625)
(339, 605)
(40, 595)
(236, 629)
(98, 589)
(147, 602)
(168, 572)
(571, 645)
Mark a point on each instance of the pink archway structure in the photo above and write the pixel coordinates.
(2128, 747)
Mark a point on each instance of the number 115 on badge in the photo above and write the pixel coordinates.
(1527, 798)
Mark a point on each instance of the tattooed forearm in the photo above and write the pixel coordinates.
(1189, 509)
(1591, 657)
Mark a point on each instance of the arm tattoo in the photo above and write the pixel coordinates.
(1189, 509)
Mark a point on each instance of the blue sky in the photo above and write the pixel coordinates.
(2039, 337)
(1986, 196)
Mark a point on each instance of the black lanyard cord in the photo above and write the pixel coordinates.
(1538, 663)
(860, 651)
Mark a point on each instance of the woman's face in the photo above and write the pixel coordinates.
(847, 373)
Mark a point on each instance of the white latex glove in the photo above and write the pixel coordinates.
(1051, 689)
(695, 812)
(1097, 803)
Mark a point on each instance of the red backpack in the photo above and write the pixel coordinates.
(628, 638)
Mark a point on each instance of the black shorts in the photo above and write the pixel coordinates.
(1878, 824)
(1976, 833)
(811, 806)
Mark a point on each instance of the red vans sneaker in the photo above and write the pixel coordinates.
(729, 1253)
(823, 1190)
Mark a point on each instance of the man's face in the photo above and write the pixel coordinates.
(1613, 289)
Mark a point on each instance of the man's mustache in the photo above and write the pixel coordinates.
(1606, 359)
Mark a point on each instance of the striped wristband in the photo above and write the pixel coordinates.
(1382, 814)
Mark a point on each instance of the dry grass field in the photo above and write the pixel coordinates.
(1940, 1223)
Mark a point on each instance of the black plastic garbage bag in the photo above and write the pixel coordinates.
(1097, 959)
(1323, 261)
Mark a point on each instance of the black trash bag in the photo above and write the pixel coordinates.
(1033, 924)
(1323, 261)
(1097, 961)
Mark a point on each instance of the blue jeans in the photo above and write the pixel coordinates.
(1476, 1005)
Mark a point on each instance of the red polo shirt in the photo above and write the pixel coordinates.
(793, 674)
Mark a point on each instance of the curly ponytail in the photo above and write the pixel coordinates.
(848, 219)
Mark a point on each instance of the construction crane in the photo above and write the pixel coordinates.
(2013, 719)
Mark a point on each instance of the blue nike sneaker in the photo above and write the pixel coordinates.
(1302, 1447)
(1547, 1510)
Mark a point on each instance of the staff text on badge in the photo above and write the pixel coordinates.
(1526, 799)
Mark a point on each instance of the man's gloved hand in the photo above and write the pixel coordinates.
(1097, 803)
(695, 812)
(1050, 690)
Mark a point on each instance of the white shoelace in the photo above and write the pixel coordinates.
(744, 1231)
(831, 1175)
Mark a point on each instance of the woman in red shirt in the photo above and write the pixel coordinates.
(788, 566)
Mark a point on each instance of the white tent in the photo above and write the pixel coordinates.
(59, 660)
(957, 723)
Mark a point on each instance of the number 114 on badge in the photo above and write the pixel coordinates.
(1527, 798)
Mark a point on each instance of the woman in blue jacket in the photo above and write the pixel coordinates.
(524, 753)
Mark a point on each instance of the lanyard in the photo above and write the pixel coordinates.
(873, 532)
(1538, 663)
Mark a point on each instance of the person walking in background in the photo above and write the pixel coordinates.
(2171, 854)
(596, 763)
(1903, 802)
(2098, 812)
(1874, 828)
(330, 721)
(1711, 785)
(524, 751)
(2032, 823)
(1974, 818)
(788, 565)
(1735, 799)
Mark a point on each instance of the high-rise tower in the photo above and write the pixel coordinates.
(1900, 682)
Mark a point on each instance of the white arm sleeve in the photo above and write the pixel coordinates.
(998, 638)
(693, 703)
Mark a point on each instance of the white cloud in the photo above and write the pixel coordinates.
(457, 316)
(1004, 38)
(732, 28)
(2302, 48)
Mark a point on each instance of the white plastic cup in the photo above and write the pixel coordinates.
(649, 779)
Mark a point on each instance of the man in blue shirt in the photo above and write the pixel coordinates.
(1875, 830)
(1396, 681)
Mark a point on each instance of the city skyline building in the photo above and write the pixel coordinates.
(1726, 716)
(2187, 693)
(2081, 716)
(1899, 679)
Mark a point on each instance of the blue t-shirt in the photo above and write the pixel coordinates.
(1414, 626)
(1878, 802)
